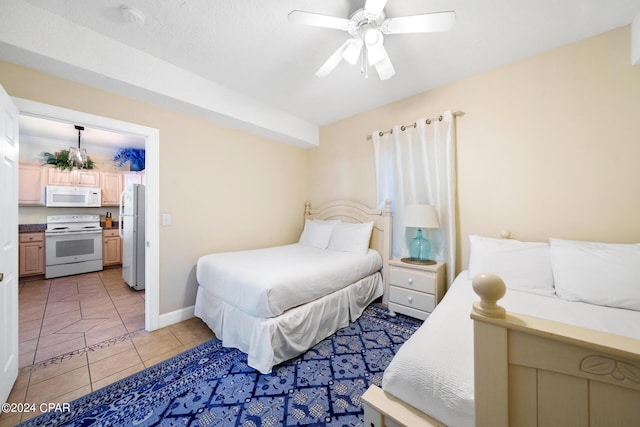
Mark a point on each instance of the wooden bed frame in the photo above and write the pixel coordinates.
(534, 372)
(348, 211)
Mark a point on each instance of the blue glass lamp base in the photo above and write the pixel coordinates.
(419, 250)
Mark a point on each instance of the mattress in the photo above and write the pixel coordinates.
(433, 370)
(267, 282)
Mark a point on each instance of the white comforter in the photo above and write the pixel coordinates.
(433, 370)
(267, 282)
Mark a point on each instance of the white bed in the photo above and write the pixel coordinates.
(439, 377)
(275, 303)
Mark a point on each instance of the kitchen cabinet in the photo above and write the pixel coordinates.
(76, 177)
(59, 177)
(111, 247)
(131, 178)
(87, 178)
(31, 182)
(34, 178)
(112, 185)
(31, 254)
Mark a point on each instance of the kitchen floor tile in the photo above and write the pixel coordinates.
(98, 342)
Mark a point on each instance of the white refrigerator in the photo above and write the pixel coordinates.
(131, 229)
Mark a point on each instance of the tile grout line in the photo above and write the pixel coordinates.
(86, 350)
(46, 304)
(28, 371)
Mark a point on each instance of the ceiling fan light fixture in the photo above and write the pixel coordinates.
(373, 37)
(367, 27)
(374, 40)
(351, 53)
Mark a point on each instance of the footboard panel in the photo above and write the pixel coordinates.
(571, 384)
(534, 372)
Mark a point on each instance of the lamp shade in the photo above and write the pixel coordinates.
(421, 216)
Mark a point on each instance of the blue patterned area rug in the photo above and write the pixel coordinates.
(210, 385)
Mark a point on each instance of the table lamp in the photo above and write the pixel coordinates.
(420, 216)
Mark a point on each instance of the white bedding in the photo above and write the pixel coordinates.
(266, 282)
(270, 341)
(433, 370)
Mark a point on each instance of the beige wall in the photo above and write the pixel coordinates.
(548, 147)
(225, 189)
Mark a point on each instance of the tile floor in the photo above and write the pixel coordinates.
(80, 333)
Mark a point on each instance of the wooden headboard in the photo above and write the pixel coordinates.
(349, 211)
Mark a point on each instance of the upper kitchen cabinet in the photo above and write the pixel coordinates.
(112, 185)
(59, 177)
(131, 178)
(31, 181)
(87, 178)
(76, 177)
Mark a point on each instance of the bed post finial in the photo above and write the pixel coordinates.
(307, 209)
(387, 207)
(490, 288)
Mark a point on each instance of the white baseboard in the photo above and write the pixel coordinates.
(177, 316)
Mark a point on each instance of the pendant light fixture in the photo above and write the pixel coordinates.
(78, 156)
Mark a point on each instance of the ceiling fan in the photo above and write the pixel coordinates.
(367, 27)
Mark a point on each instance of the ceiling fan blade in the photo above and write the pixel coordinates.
(333, 60)
(374, 7)
(427, 23)
(316, 20)
(385, 67)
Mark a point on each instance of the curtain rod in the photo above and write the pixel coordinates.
(412, 125)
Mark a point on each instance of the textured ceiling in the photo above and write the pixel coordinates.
(251, 48)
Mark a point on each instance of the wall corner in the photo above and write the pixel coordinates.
(635, 40)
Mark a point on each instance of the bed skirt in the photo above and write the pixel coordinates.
(273, 340)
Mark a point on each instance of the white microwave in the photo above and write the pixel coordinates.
(73, 197)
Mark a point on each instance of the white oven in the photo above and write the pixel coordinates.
(73, 245)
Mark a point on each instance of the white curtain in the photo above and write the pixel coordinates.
(417, 166)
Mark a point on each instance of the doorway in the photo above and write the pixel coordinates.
(152, 140)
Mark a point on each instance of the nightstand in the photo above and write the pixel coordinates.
(415, 289)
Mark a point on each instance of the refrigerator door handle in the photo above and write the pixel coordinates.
(120, 216)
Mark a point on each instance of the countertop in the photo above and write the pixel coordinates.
(39, 228)
(31, 228)
(114, 225)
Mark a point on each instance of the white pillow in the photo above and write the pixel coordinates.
(316, 234)
(525, 266)
(351, 237)
(597, 273)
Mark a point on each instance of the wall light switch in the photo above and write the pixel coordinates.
(166, 219)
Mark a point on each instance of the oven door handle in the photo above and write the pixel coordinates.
(73, 233)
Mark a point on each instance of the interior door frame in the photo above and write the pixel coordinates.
(9, 323)
(152, 177)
